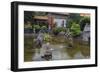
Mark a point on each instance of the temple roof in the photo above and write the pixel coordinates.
(41, 17)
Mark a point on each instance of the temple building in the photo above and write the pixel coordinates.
(52, 19)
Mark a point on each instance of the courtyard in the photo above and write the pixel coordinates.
(52, 36)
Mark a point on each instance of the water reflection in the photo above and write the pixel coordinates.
(58, 49)
(60, 52)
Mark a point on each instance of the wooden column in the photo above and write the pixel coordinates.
(50, 22)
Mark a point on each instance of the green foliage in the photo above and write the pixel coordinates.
(44, 27)
(47, 37)
(83, 22)
(70, 22)
(64, 29)
(57, 30)
(36, 27)
(74, 17)
(27, 26)
(75, 29)
(28, 16)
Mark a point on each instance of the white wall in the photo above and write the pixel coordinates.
(5, 35)
(59, 22)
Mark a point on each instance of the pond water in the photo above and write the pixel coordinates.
(60, 50)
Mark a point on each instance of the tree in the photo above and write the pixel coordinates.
(83, 22)
(28, 16)
(73, 18)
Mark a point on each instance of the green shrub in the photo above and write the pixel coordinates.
(44, 27)
(64, 29)
(36, 26)
(47, 37)
(75, 29)
(57, 30)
